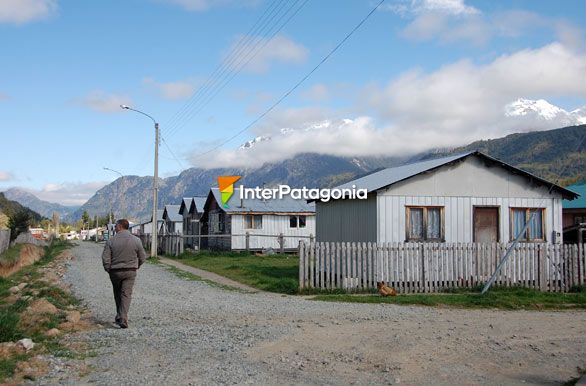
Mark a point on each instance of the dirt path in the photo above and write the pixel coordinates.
(187, 332)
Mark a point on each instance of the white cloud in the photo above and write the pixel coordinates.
(447, 7)
(465, 101)
(6, 176)
(105, 103)
(177, 90)
(204, 5)
(452, 106)
(261, 53)
(71, 193)
(24, 11)
(317, 93)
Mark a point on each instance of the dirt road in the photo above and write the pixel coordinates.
(187, 332)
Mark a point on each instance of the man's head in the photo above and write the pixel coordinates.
(121, 224)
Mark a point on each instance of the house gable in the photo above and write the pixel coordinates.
(471, 177)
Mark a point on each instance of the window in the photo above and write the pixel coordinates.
(536, 229)
(425, 223)
(296, 221)
(253, 221)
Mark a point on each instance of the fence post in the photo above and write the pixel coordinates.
(281, 243)
(302, 263)
(247, 241)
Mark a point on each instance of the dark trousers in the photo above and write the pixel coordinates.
(122, 283)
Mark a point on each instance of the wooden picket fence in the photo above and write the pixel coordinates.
(435, 267)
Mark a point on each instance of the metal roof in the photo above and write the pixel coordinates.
(580, 203)
(159, 216)
(172, 212)
(284, 205)
(390, 176)
(185, 204)
(199, 202)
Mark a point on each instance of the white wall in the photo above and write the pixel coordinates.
(458, 213)
(271, 225)
(458, 188)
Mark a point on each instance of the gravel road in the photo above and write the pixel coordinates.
(187, 332)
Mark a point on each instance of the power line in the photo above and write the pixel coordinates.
(173, 154)
(228, 76)
(248, 45)
(243, 41)
(290, 91)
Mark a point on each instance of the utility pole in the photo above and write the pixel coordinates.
(155, 180)
(96, 228)
(154, 242)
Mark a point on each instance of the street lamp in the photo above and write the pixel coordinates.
(118, 189)
(155, 180)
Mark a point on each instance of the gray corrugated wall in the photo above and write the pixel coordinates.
(4, 240)
(346, 220)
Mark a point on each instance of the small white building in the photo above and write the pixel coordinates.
(466, 198)
(172, 220)
(263, 220)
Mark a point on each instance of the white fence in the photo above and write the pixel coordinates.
(4, 240)
(435, 267)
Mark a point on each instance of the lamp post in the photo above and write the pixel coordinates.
(121, 176)
(155, 180)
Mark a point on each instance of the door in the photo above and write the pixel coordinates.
(486, 224)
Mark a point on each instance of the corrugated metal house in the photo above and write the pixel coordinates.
(191, 210)
(172, 220)
(469, 197)
(263, 220)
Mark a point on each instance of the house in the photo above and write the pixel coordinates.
(267, 222)
(574, 215)
(191, 210)
(469, 197)
(146, 228)
(172, 220)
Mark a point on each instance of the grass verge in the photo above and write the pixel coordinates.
(274, 273)
(12, 327)
(502, 298)
(10, 257)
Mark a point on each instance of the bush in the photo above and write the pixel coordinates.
(19, 223)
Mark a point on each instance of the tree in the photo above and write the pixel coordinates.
(19, 223)
(3, 221)
(85, 218)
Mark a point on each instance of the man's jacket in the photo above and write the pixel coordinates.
(123, 251)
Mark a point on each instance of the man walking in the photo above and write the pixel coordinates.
(122, 257)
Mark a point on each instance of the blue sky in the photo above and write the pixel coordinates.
(418, 74)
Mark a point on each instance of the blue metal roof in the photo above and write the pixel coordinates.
(390, 176)
(172, 213)
(199, 202)
(580, 203)
(284, 205)
(185, 204)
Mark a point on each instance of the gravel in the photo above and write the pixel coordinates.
(184, 332)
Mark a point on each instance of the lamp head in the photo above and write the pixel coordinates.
(124, 107)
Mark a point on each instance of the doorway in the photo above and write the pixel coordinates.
(486, 224)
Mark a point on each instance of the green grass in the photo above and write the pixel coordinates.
(11, 330)
(10, 257)
(190, 276)
(274, 273)
(8, 365)
(503, 298)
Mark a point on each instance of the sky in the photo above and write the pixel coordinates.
(417, 74)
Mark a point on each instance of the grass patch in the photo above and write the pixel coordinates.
(8, 365)
(10, 257)
(9, 318)
(503, 298)
(274, 273)
(190, 276)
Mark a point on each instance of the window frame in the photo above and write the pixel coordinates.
(298, 221)
(252, 221)
(424, 239)
(527, 238)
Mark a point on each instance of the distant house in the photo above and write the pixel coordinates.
(467, 198)
(263, 220)
(172, 220)
(574, 215)
(146, 228)
(191, 210)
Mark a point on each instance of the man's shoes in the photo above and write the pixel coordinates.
(122, 324)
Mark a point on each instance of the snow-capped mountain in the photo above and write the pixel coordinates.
(289, 130)
(542, 110)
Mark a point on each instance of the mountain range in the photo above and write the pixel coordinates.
(543, 153)
(10, 208)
